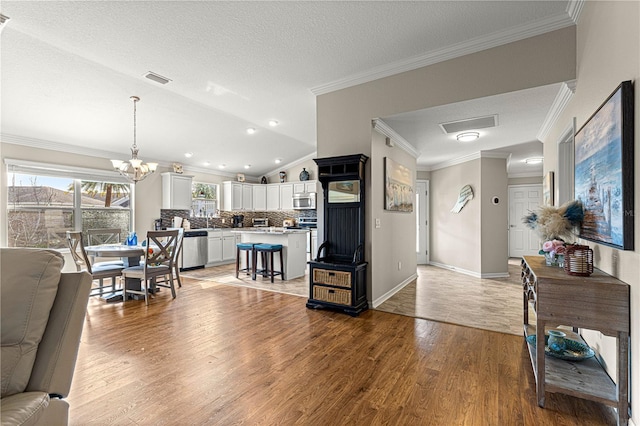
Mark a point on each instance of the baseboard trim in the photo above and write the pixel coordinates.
(380, 300)
(471, 273)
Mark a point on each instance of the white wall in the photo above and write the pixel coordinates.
(400, 263)
(344, 116)
(608, 52)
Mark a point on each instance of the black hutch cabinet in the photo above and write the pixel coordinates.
(338, 275)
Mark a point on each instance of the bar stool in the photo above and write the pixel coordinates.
(248, 248)
(267, 251)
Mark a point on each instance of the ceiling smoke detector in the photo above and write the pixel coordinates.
(469, 124)
(157, 78)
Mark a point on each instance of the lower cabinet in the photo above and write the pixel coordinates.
(228, 246)
(215, 247)
(222, 246)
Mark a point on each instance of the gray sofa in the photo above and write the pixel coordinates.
(42, 313)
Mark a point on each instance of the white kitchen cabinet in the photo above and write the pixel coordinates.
(237, 196)
(247, 196)
(214, 245)
(314, 243)
(286, 196)
(259, 198)
(273, 197)
(305, 186)
(176, 191)
(228, 245)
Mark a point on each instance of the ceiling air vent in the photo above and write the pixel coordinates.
(157, 78)
(470, 124)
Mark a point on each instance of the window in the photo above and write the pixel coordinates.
(44, 202)
(205, 199)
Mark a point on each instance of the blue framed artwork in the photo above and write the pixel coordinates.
(604, 171)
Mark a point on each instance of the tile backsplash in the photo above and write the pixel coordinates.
(275, 218)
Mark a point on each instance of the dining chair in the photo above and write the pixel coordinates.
(99, 271)
(161, 247)
(103, 236)
(176, 261)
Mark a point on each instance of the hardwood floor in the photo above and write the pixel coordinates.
(221, 355)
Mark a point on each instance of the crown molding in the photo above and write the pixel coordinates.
(457, 50)
(566, 92)
(293, 164)
(574, 9)
(465, 159)
(383, 128)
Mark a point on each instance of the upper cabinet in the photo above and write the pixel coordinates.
(306, 186)
(176, 191)
(238, 196)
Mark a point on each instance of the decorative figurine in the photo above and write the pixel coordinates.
(263, 180)
(283, 175)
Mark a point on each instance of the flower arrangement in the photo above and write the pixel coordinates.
(553, 252)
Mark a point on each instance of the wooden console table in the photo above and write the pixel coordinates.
(597, 302)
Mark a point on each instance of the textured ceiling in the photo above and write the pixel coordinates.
(69, 68)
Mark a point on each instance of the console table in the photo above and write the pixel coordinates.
(597, 302)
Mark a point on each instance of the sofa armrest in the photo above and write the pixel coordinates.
(23, 409)
(56, 357)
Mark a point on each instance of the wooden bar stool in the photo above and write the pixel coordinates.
(248, 248)
(267, 251)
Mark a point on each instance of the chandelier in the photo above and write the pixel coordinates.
(134, 169)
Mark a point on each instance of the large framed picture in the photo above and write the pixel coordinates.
(604, 171)
(398, 181)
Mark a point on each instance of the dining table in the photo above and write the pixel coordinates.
(130, 256)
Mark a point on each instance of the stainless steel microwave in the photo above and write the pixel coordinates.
(304, 200)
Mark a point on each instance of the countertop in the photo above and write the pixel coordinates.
(269, 230)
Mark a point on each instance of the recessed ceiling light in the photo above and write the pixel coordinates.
(206, 163)
(278, 160)
(222, 166)
(273, 123)
(251, 130)
(468, 136)
(188, 154)
(247, 166)
(534, 160)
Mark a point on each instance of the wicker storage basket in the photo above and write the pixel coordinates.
(333, 295)
(331, 277)
(578, 260)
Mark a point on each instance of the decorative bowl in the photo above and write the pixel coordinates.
(573, 351)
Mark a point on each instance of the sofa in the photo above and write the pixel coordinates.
(42, 314)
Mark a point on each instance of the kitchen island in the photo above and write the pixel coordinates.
(294, 246)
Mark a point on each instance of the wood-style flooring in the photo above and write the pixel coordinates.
(443, 295)
(225, 355)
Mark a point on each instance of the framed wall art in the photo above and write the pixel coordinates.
(604, 171)
(398, 181)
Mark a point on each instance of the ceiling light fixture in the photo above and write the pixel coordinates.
(273, 123)
(134, 170)
(188, 154)
(251, 130)
(468, 136)
(534, 160)
(278, 160)
(247, 166)
(206, 163)
(222, 166)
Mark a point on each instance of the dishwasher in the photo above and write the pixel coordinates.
(194, 250)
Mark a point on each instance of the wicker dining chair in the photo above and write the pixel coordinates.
(99, 271)
(158, 263)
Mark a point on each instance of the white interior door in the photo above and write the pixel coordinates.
(522, 200)
(422, 221)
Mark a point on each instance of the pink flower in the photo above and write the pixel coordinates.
(547, 246)
(561, 250)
